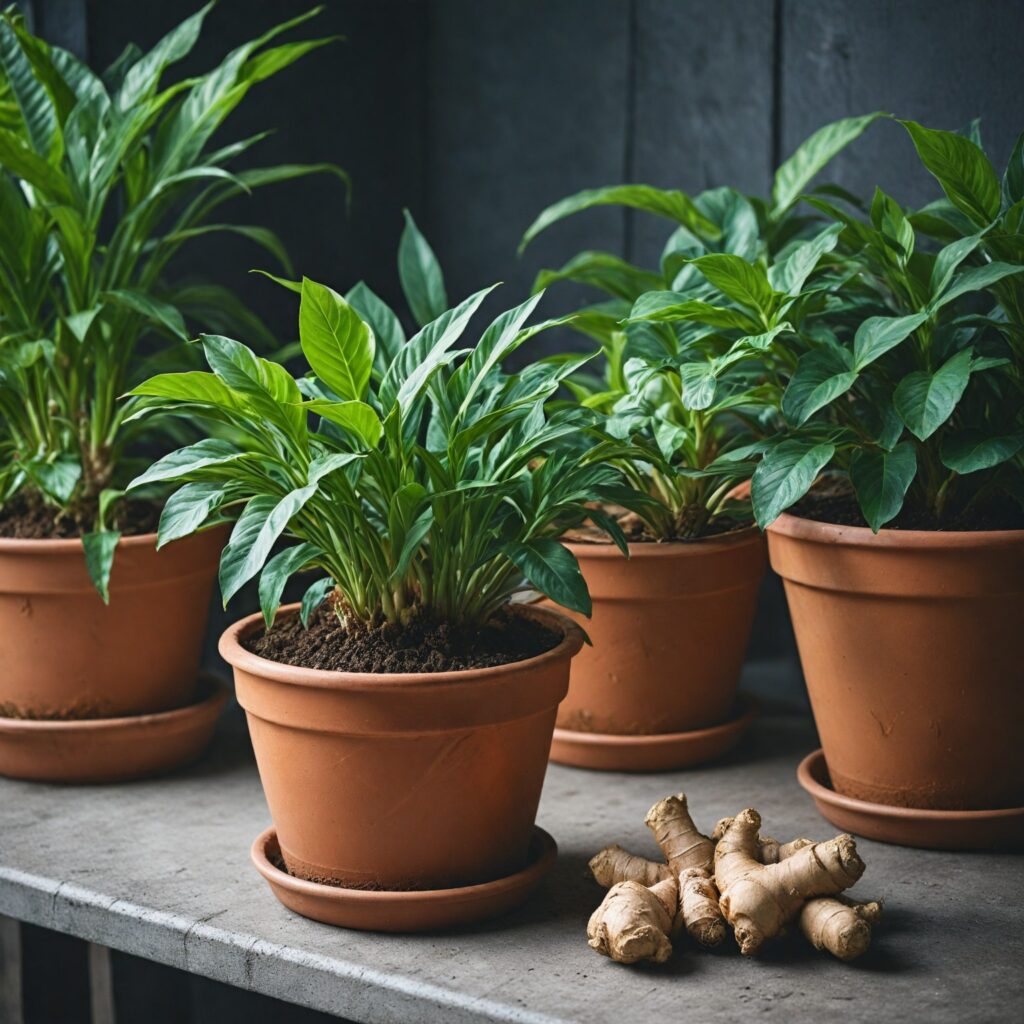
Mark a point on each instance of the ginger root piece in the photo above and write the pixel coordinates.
(759, 899)
(698, 907)
(770, 851)
(613, 864)
(633, 922)
(839, 927)
(683, 845)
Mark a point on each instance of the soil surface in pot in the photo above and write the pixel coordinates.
(637, 531)
(24, 519)
(421, 646)
(834, 502)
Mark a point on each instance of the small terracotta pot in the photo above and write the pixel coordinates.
(912, 644)
(66, 655)
(670, 628)
(406, 780)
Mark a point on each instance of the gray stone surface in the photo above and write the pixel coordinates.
(160, 869)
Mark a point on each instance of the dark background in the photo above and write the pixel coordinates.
(478, 113)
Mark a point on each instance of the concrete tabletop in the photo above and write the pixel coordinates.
(160, 869)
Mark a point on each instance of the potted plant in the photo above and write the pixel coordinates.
(102, 180)
(903, 552)
(691, 384)
(404, 696)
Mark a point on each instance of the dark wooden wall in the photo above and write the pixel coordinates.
(478, 113)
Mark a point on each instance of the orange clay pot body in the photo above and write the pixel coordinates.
(912, 644)
(670, 628)
(65, 654)
(403, 781)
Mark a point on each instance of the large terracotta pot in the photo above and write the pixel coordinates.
(65, 654)
(403, 781)
(670, 628)
(912, 645)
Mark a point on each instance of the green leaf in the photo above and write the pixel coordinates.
(190, 386)
(668, 307)
(158, 312)
(790, 274)
(605, 271)
(878, 334)
(99, 559)
(420, 274)
(811, 156)
(821, 376)
(262, 521)
(17, 157)
(975, 279)
(337, 343)
(276, 574)
(1013, 179)
(971, 450)
(188, 508)
(961, 168)
(948, 259)
(743, 282)
(57, 478)
(313, 598)
(926, 400)
(881, 479)
(383, 321)
(192, 459)
(552, 569)
(785, 475)
(357, 418)
(79, 323)
(699, 384)
(29, 93)
(673, 205)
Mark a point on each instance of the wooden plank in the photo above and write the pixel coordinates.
(940, 62)
(11, 1005)
(703, 102)
(527, 104)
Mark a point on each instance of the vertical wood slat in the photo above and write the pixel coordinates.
(101, 986)
(940, 62)
(526, 105)
(704, 106)
(11, 1003)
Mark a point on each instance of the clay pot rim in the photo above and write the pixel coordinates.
(810, 774)
(216, 698)
(232, 651)
(537, 867)
(69, 545)
(799, 528)
(667, 548)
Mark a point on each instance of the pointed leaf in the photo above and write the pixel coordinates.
(971, 450)
(337, 343)
(878, 334)
(881, 479)
(551, 568)
(926, 400)
(313, 598)
(420, 274)
(276, 574)
(99, 559)
(191, 459)
(785, 475)
(821, 376)
(188, 508)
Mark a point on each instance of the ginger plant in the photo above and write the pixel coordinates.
(735, 878)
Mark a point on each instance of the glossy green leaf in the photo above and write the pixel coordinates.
(925, 401)
(785, 475)
(161, 313)
(29, 92)
(420, 274)
(878, 334)
(189, 460)
(357, 418)
(276, 574)
(313, 598)
(99, 559)
(743, 282)
(337, 343)
(821, 376)
(383, 321)
(881, 480)
(551, 568)
(961, 168)
(188, 508)
(971, 450)
(975, 279)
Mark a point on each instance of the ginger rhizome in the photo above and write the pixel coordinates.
(736, 878)
(633, 922)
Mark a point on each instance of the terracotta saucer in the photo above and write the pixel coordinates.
(389, 911)
(658, 753)
(1000, 829)
(111, 749)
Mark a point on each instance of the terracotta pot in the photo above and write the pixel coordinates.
(403, 781)
(669, 629)
(911, 643)
(65, 654)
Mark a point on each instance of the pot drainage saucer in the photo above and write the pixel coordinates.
(407, 911)
(907, 826)
(111, 749)
(656, 753)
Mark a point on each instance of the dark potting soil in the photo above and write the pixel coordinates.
(23, 518)
(420, 646)
(834, 502)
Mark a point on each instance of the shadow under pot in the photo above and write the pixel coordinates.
(911, 643)
(69, 657)
(670, 628)
(410, 781)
